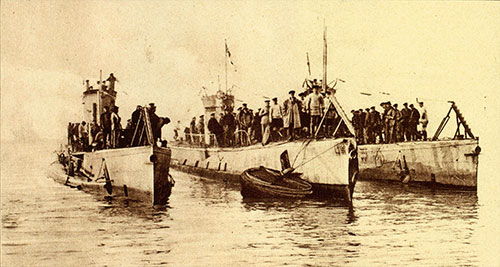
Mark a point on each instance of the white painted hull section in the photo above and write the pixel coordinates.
(328, 159)
(450, 162)
(134, 168)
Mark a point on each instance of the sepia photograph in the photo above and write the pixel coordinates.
(249, 133)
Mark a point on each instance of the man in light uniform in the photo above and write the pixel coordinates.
(291, 114)
(314, 107)
(265, 121)
(276, 120)
(423, 121)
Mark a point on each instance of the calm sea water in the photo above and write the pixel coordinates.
(207, 223)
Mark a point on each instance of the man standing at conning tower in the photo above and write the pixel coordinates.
(111, 79)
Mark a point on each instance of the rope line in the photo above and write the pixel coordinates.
(309, 160)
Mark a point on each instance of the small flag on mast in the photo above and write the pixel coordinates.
(308, 64)
(229, 55)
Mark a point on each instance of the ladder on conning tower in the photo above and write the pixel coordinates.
(460, 121)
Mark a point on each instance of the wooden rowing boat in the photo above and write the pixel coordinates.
(265, 182)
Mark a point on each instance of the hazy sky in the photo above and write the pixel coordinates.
(163, 52)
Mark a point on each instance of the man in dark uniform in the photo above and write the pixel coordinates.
(355, 123)
(256, 129)
(361, 121)
(405, 117)
(229, 126)
(245, 118)
(155, 120)
(192, 131)
(372, 120)
(111, 79)
(398, 134)
(135, 115)
(413, 122)
(378, 127)
(70, 133)
(215, 128)
(106, 127)
(383, 122)
(366, 129)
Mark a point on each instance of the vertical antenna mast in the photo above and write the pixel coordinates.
(225, 59)
(323, 84)
(99, 104)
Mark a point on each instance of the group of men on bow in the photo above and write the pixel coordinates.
(392, 124)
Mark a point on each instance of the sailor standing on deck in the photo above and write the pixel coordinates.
(84, 135)
(245, 118)
(70, 132)
(229, 126)
(372, 120)
(390, 119)
(423, 121)
(106, 127)
(192, 131)
(265, 122)
(405, 118)
(314, 107)
(355, 123)
(383, 125)
(156, 123)
(115, 127)
(362, 125)
(413, 122)
(216, 129)
(397, 127)
(305, 119)
(256, 129)
(200, 128)
(177, 131)
(291, 114)
(135, 116)
(331, 115)
(365, 128)
(276, 119)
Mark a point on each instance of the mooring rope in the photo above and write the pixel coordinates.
(309, 160)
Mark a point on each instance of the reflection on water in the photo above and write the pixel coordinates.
(207, 222)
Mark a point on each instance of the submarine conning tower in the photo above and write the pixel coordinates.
(96, 97)
(217, 104)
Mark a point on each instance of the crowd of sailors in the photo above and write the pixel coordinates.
(311, 115)
(392, 125)
(109, 133)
